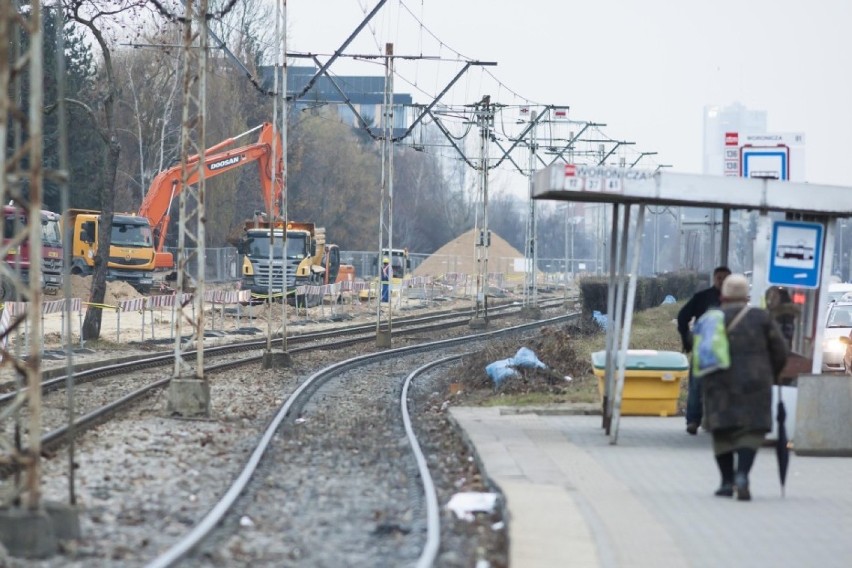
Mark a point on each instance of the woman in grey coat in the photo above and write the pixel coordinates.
(738, 400)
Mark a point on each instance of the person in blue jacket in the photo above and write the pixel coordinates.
(694, 309)
(386, 274)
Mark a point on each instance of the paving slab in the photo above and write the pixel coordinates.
(573, 499)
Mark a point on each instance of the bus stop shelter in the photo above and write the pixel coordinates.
(808, 212)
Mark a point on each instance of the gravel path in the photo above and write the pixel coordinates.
(144, 479)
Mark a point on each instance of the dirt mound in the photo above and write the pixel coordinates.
(115, 292)
(459, 255)
(553, 346)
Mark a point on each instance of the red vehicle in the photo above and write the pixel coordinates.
(18, 258)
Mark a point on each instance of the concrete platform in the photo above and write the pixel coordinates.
(575, 500)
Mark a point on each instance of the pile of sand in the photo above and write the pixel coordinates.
(458, 256)
(116, 291)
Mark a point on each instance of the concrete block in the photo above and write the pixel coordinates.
(531, 312)
(27, 533)
(478, 323)
(65, 519)
(383, 338)
(188, 398)
(823, 411)
(276, 359)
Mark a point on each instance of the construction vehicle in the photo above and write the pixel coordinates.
(400, 266)
(308, 259)
(399, 261)
(167, 185)
(18, 257)
(131, 251)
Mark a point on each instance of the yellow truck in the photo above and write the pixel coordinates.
(308, 259)
(131, 253)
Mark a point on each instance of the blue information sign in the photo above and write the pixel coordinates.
(795, 254)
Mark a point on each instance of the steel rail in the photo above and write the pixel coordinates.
(433, 519)
(212, 519)
(54, 439)
(113, 367)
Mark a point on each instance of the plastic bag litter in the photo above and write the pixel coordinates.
(600, 319)
(669, 300)
(526, 358)
(465, 504)
(499, 371)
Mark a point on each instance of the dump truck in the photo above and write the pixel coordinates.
(18, 257)
(308, 260)
(131, 253)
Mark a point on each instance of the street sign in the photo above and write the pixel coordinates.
(795, 254)
(598, 179)
(765, 162)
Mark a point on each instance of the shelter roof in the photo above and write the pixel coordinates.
(604, 184)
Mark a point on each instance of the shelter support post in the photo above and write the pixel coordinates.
(618, 311)
(822, 303)
(610, 310)
(628, 323)
(725, 244)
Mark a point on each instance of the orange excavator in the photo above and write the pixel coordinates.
(216, 160)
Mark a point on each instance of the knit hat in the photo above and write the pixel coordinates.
(735, 288)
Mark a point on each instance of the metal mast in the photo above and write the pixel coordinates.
(26, 529)
(189, 392)
(485, 118)
(383, 332)
(281, 358)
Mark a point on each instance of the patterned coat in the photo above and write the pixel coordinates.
(741, 396)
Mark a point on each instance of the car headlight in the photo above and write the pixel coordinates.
(833, 345)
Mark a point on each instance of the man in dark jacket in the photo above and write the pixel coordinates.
(694, 309)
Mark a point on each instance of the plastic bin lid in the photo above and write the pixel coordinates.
(646, 359)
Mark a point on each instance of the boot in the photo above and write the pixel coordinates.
(726, 469)
(745, 459)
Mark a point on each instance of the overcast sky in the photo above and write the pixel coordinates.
(645, 68)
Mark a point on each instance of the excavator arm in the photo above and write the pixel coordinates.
(216, 160)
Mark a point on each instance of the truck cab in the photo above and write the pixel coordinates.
(131, 254)
(304, 260)
(18, 258)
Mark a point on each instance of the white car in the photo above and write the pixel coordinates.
(838, 324)
(837, 291)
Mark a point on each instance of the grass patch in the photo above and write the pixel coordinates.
(566, 350)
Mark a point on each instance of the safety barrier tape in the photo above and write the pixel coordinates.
(163, 301)
(133, 305)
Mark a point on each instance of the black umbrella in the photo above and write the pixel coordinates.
(781, 449)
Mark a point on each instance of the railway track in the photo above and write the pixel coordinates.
(218, 446)
(335, 447)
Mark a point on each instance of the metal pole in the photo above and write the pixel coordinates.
(532, 236)
(283, 129)
(565, 276)
(389, 134)
(628, 323)
(656, 265)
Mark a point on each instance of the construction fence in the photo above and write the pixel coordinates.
(152, 318)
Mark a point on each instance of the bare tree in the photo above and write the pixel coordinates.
(102, 20)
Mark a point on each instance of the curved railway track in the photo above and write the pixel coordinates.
(178, 441)
(380, 509)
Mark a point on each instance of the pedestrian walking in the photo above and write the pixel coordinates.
(738, 400)
(783, 311)
(386, 276)
(692, 310)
